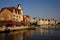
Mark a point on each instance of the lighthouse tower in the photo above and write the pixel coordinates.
(21, 11)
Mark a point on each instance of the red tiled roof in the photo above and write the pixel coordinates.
(11, 9)
(26, 16)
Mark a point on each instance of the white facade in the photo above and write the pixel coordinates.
(32, 20)
(44, 21)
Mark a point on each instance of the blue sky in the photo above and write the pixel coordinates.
(36, 8)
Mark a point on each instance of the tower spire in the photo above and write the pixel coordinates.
(19, 6)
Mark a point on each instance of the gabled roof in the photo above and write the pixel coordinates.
(11, 9)
(26, 16)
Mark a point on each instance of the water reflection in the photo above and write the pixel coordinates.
(12, 36)
(26, 35)
(38, 34)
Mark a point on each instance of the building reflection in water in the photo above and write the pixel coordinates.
(38, 34)
(26, 35)
(14, 36)
(18, 35)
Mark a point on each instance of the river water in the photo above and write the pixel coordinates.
(38, 34)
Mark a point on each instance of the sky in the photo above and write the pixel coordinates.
(36, 8)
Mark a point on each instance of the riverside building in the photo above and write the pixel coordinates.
(40, 21)
(14, 14)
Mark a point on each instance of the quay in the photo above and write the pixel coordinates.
(8, 29)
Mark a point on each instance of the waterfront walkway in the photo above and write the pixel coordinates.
(2, 29)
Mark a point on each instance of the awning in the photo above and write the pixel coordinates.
(11, 23)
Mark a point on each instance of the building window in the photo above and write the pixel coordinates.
(39, 19)
(19, 17)
(16, 19)
(42, 19)
(16, 12)
(13, 18)
(45, 19)
(33, 18)
(14, 15)
(48, 20)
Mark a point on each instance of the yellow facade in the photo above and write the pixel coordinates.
(5, 15)
(11, 13)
